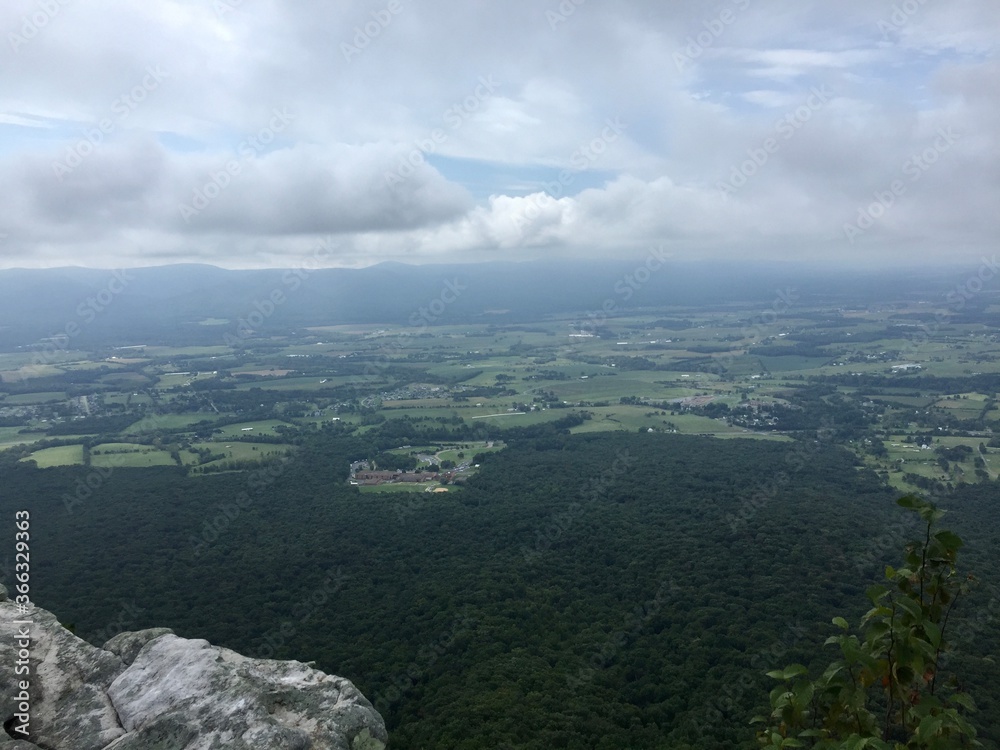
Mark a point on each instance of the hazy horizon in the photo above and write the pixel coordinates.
(733, 265)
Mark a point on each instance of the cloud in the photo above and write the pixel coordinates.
(478, 130)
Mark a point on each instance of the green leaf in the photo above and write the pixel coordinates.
(803, 694)
(876, 592)
(931, 514)
(965, 701)
(868, 661)
(933, 633)
(877, 629)
(831, 672)
(850, 650)
(912, 607)
(949, 539)
(776, 674)
(875, 612)
(910, 501)
(841, 623)
(929, 726)
(794, 670)
(812, 733)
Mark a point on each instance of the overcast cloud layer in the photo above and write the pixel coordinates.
(249, 133)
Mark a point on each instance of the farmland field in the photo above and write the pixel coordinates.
(691, 371)
(115, 455)
(66, 455)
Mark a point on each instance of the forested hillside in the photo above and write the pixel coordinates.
(614, 590)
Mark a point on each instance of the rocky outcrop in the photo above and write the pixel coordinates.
(153, 690)
(67, 692)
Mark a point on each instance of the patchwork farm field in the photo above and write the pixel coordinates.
(903, 404)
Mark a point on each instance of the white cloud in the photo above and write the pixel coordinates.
(509, 100)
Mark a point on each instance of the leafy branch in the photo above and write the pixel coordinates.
(883, 691)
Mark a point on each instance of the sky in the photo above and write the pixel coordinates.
(259, 133)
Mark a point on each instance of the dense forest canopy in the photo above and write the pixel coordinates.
(606, 590)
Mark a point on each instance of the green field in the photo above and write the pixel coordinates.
(294, 384)
(244, 451)
(249, 429)
(451, 454)
(912, 458)
(27, 399)
(11, 436)
(392, 489)
(167, 352)
(917, 402)
(167, 422)
(30, 371)
(635, 418)
(792, 363)
(64, 455)
(180, 380)
(129, 455)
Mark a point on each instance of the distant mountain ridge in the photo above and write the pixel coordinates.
(132, 306)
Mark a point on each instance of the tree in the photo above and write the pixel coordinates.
(886, 691)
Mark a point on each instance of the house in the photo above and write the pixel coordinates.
(407, 477)
(375, 477)
(369, 478)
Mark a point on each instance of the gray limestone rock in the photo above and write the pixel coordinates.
(150, 690)
(69, 680)
(127, 645)
(241, 703)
